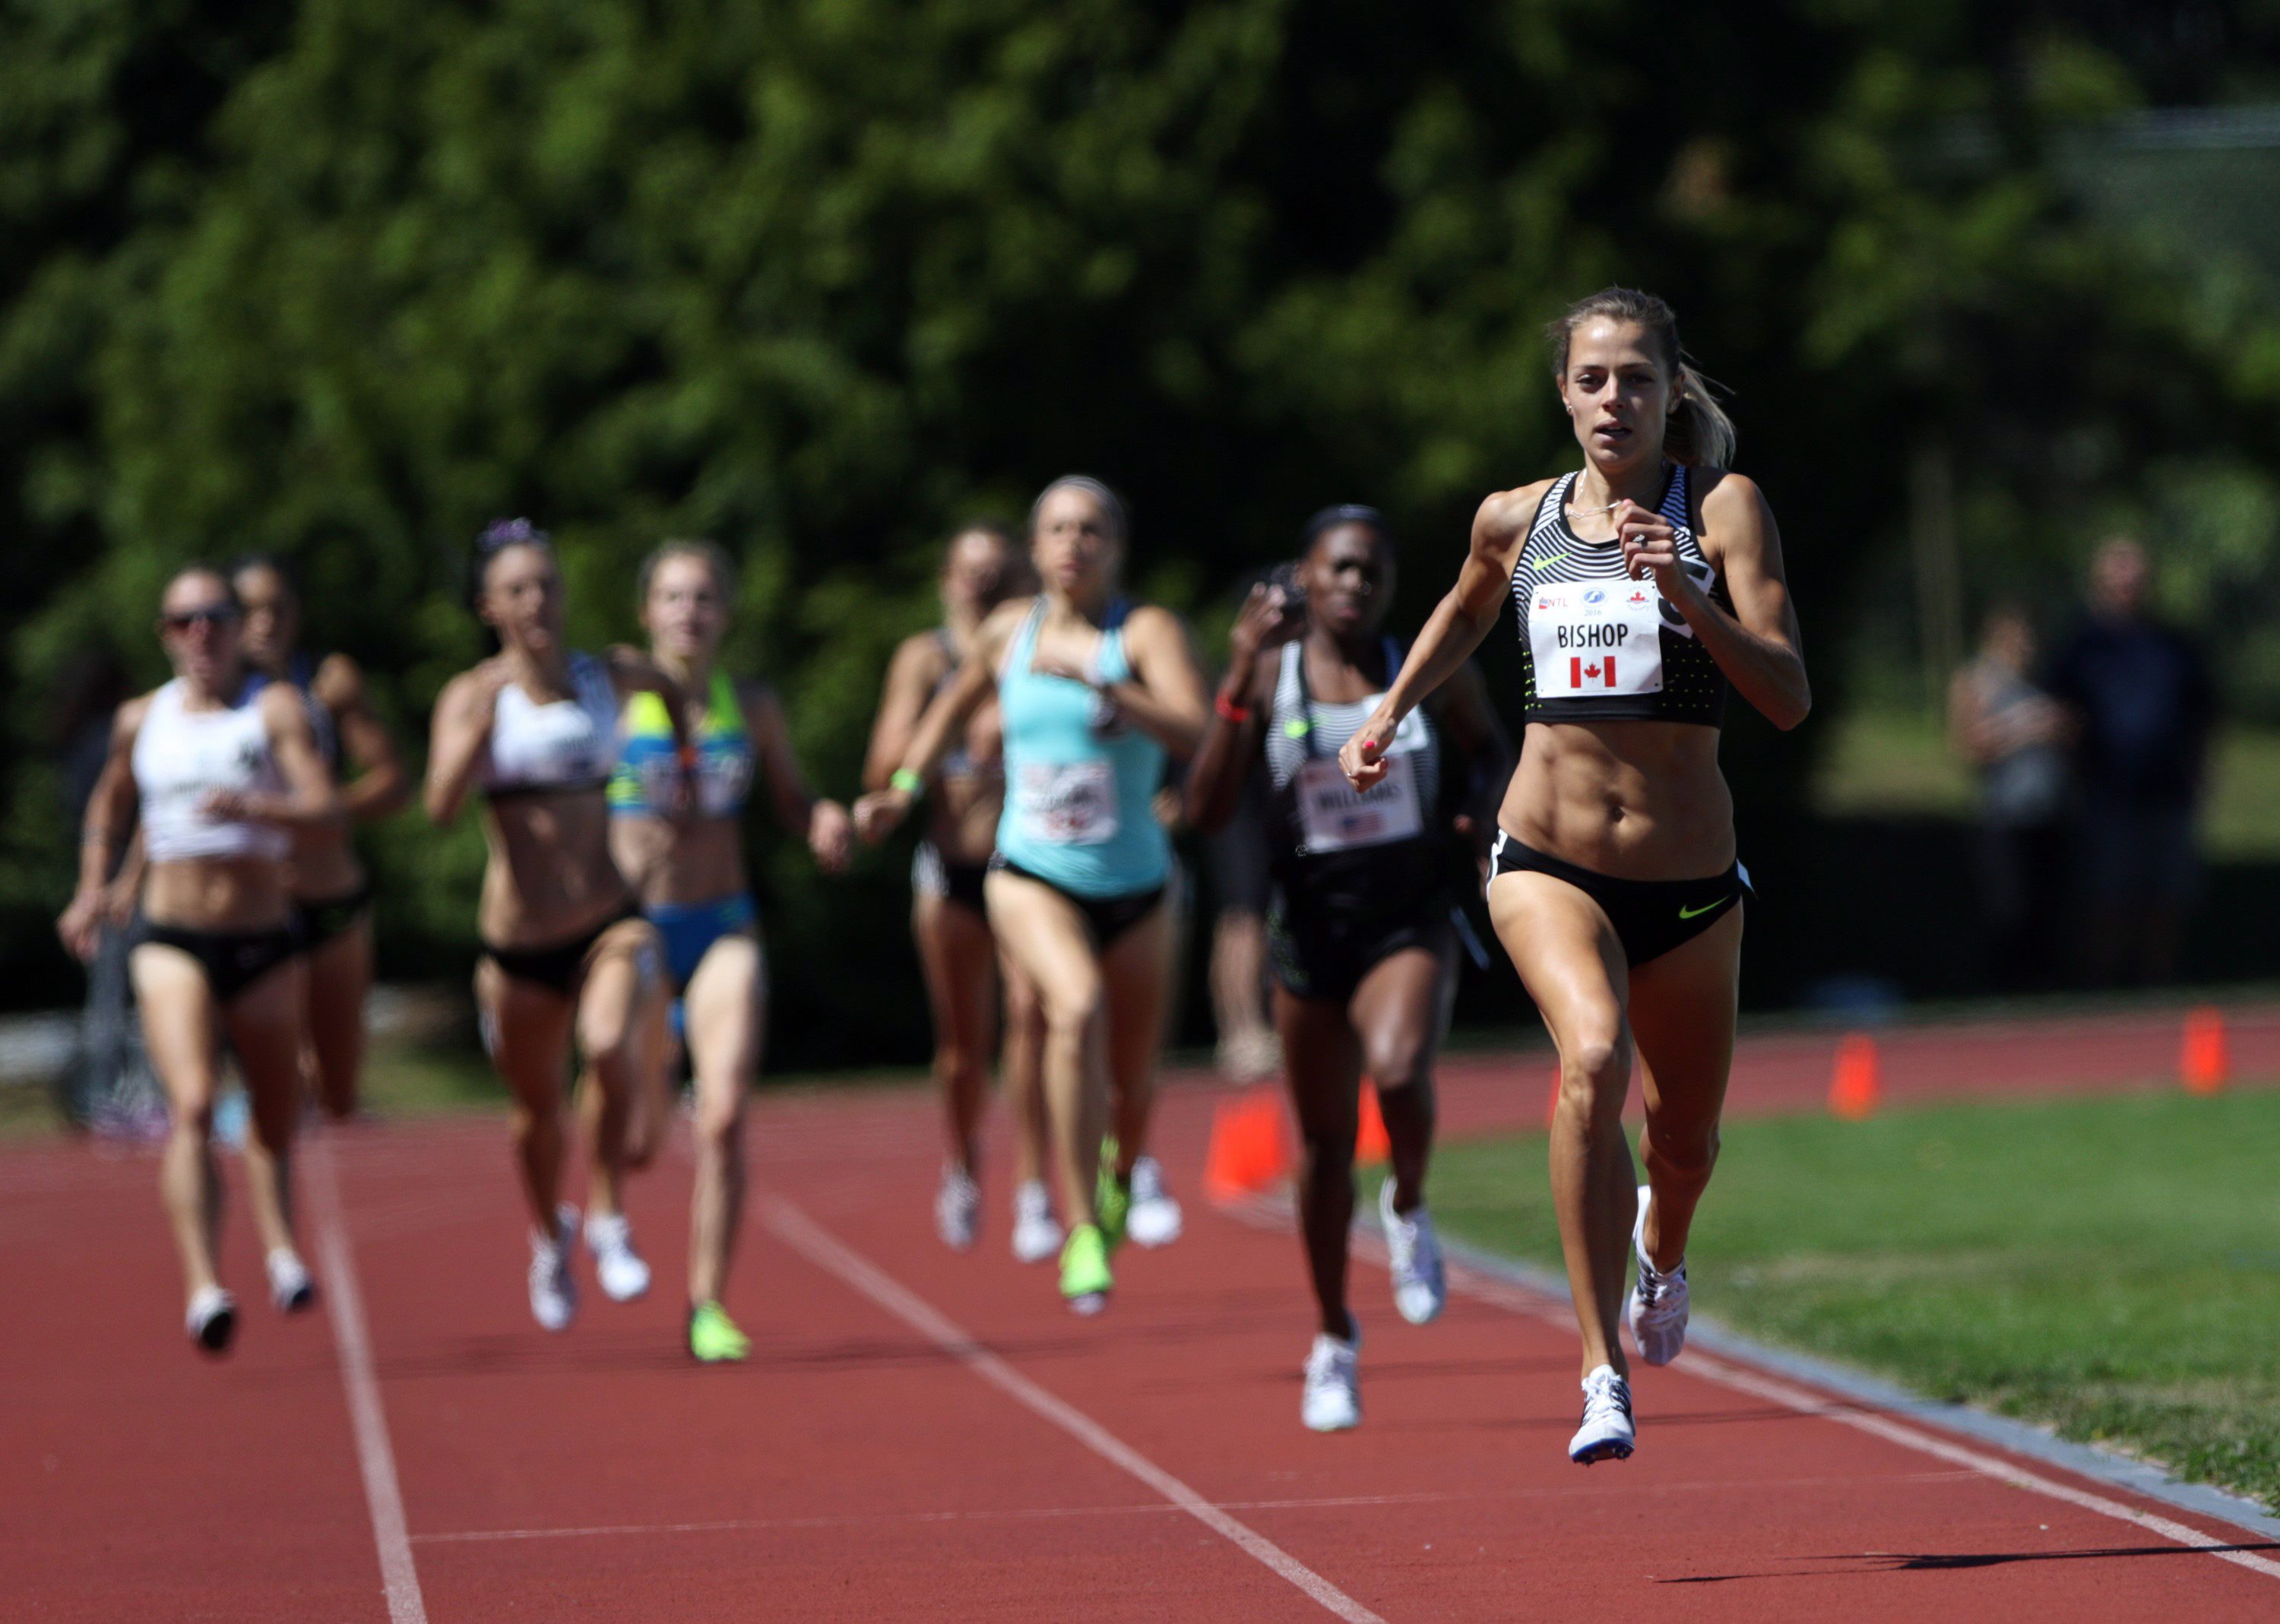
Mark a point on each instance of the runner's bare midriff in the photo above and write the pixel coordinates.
(1638, 800)
(216, 893)
(673, 864)
(550, 875)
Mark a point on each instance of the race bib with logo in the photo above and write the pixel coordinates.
(1072, 805)
(1596, 638)
(1333, 816)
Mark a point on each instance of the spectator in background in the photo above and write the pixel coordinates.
(2140, 696)
(2016, 736)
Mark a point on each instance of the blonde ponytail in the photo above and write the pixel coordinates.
(1698, 433)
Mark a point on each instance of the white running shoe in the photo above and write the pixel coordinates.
(624, 1276)
(213, 1318)
(1037, 1234)
(1153, 1218)
(957, 1208)
(553, 1296)
(1332, 1402)
(1420, 1285)
(1606, 1433)
(289, 1285)
(1656, 1310)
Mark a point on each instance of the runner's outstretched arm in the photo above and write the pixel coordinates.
(1463, 618)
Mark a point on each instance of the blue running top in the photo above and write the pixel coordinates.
(1079, 779)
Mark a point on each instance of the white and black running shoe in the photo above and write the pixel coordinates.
(553, 1294)
(290, 1289)
(1656, 1309)
(617, 1266)
(1153, 1218)
(957, 1208)
(213, 1318)
(1421, 1286)
(1606, 1433)
(1332, 1401)
(1037, 1234)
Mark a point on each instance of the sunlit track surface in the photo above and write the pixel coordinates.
(860, 1468)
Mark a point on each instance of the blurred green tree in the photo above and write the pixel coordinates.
(820, 277)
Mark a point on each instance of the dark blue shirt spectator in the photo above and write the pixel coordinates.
(2141, 695)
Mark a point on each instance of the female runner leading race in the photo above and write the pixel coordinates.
(689, 872)
(565, 950)
(332, 893)
(1648, 583)
(222, 786)
(1094, 692)
(981, 568)
(1360, 926)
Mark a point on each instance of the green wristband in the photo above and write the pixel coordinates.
(909, 782)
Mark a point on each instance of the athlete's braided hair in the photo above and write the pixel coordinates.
(1698, 431)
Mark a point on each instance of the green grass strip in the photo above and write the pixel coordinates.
(2109, 1266)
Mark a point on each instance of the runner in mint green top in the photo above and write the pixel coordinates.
(1093, 694)
(1079, 777)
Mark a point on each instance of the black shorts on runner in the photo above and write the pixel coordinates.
(1323, 956)
(1650, 917)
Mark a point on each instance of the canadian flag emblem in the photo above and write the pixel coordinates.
(1600, 674)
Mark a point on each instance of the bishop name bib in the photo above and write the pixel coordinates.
(1594, 638)
(1072, 805)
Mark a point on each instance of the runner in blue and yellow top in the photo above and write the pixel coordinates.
(1094, 693)
(689, 874)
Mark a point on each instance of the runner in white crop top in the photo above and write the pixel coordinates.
(553, 745)
(187, 762)
(566, 950)
(220, 784)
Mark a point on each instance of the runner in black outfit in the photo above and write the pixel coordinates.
(1648, 583)
(1359, 924)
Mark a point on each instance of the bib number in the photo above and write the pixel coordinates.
(1597, 638)
(1333, 817)
(1073, 804)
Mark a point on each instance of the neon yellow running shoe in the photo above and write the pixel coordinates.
(713, 1337)
(1085, 1280)
(1111, 1197)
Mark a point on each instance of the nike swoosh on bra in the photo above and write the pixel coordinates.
(1691, 913)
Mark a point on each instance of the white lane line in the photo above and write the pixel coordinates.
(1150, 1508)
(804, 1236)
(1504, 1294)
(344, 1303)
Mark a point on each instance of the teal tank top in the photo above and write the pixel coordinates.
(1079, 780)
(642, 787)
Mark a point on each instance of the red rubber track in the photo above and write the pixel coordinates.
(857, 1467)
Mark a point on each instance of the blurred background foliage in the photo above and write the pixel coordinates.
(820, 278)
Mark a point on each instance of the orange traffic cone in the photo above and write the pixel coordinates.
(1858, 1086)
(1371, 1146)
(1249, 1146)
(2205, 1059)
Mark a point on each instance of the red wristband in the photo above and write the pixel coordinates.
(1230, 712)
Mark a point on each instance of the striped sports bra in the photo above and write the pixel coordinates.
(642, 787)
(1597, 645)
